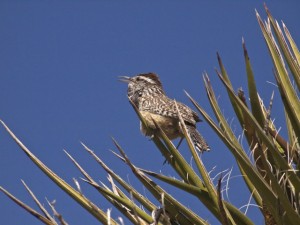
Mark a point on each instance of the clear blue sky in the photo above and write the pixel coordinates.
(59, 63)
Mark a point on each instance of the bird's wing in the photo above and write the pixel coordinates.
(166, 107)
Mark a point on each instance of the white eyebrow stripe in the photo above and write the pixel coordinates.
(147, 79)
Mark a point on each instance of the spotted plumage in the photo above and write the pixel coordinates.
(147, 94)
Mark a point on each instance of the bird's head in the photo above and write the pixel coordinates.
(138, 83)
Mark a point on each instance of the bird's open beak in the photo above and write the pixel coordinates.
(125, 79)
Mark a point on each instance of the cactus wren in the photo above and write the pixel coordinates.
(147, 94)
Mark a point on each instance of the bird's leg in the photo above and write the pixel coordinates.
(166, 161)
(179, 143)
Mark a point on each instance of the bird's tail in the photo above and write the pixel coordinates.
(199, 142)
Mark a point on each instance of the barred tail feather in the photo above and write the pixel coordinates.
(198, 140)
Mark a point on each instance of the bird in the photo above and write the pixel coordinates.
(146, 92)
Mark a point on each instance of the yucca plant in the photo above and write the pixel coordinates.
(271, 171)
